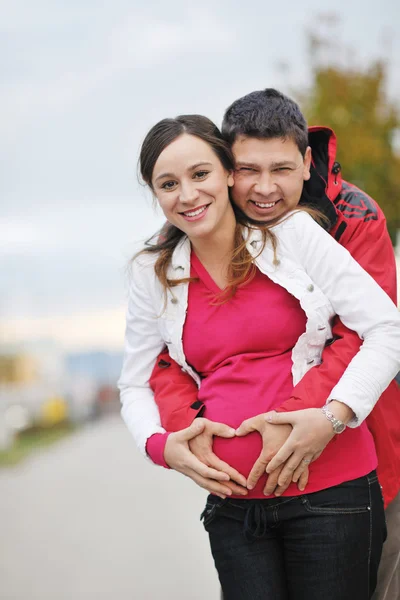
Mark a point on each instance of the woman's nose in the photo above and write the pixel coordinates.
(189, 193)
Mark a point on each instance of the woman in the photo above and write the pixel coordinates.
(198, 290)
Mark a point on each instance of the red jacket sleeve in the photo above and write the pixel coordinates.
(370, 244)
(175, 394)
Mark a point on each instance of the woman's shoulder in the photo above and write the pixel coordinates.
(295, 220)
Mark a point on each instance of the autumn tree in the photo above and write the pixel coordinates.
(353, 101)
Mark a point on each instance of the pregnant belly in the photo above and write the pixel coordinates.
(241, 454)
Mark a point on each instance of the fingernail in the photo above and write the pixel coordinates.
(250, 486)
(269, 418)
(278, 493)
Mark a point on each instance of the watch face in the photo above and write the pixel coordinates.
(339, 427)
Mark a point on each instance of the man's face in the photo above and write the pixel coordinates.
(269, 176)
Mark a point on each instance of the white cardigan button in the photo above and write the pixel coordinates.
(310, 288)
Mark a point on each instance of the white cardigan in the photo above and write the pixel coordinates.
(315, 269)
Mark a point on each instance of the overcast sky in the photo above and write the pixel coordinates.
(81, 83)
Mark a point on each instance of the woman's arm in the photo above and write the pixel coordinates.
(361, 305)
(143, 343)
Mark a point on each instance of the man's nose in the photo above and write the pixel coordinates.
(265, 184)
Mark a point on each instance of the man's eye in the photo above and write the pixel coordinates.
(282, 169)
(168, 185)
(246, 169)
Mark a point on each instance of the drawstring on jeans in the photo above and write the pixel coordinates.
(255, 522)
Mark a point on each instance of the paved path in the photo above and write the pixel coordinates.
(89, 519)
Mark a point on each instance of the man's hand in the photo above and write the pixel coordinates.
(273, 438)
(201, 447)
(179, 457)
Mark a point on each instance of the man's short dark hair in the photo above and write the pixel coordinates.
(266, 114)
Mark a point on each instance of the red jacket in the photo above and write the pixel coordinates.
(359, 225)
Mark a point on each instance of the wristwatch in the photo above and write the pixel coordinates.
(338, 426)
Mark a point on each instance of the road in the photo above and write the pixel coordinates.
(89, 518)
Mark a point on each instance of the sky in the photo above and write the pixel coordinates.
(81, 83)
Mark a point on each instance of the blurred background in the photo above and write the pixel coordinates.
(81, 514)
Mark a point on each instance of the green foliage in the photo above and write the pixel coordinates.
(354, 104)
(28, 442)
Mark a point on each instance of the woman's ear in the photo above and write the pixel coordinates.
(231, 180)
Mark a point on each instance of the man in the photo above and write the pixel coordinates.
(271, 144)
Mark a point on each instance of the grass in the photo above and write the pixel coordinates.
(31, 440)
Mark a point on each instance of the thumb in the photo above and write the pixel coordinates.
(281, 418)
(190, 432)
(245, 428)
(223, 430)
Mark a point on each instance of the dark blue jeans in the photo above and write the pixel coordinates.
(321, 546)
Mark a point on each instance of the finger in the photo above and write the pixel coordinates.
(289, 468)
(272, 481)
(222, 430)
(212, 486)
(245, 428)
(258, 469)
(303, 479)
(236, 489)
(281, 456)
(302, 466)
(280, 418)
(220, 465)
(203, 470)
(190, 432)
(280, 489)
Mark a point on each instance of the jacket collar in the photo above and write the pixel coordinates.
(325, 183)
(180, 262)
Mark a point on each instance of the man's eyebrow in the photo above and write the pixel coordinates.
(282, 163)
(273, 165)
(202, 163)
(242, 163)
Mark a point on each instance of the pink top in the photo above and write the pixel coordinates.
(242, 349)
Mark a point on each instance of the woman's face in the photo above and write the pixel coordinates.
(191, 186)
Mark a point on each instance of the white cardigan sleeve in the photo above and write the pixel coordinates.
(143, 343)
(361, 305)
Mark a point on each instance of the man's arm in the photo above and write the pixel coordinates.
(175, 394)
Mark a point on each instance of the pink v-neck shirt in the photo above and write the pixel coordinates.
(242, 350)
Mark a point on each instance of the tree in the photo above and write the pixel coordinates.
(353, 102)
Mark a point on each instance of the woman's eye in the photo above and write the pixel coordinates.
(168, 185)
(201, 174)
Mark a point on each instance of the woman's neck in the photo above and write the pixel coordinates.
(215, 252)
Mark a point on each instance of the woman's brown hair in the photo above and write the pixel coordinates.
(163, 243)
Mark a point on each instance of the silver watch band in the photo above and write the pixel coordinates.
(337, 424)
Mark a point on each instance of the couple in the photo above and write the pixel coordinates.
(246, 291)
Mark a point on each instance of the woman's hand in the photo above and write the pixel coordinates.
(179, 457)
(273, 437)
(311, 433)
(201, 446)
